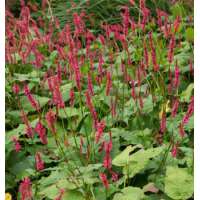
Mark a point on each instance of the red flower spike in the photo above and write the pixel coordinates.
(176, 76)
(31, 99)
(189, 112)
(102, 39)
(174, 150)
(108, 147)
(175, 107)
(104, 180)
(132, 2)
(17, 144)
(39, 162)
(115, 176)
(171, 49)
(107, 162)
(25, 189)
(54, 87)
(90, 86)
(15, 88)
(100, 128)
(41, 131)
(51, 119)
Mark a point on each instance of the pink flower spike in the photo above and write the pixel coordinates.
(176, 76)
(90, 86)
(174, 150)
(25, 189)
(31, 99)
(17, 144)
(115, 176)
(132, 2)
(107, 162)
(175, 107)
(15, 88)
(104, 180)
(39, 162)
(41, 131)
(100, 128)
(51, 119)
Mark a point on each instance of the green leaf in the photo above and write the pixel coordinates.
(73, 195)
(148, 104)
(65, 89)
(189, 34)
(190, 125)
(143, 137)
(178, 183)
(178, 10)
(22, 169)
(186, 94)
(123, 158)
(51, 192)
(139, 160)
(27, 77)
(130, 193)
(53, 55)
(69, 112)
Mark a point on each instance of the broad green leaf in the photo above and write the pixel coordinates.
(51, 192)
(54, 177)
(148, 104)
(143, 137)
(32, 77)
(123, 158)
(21, 169)
(149, 153)
(178, 10)
(73, 195)
(189, 34)
(190, 125)
(139, 160)
(186, 94)
(130, 193)
(20, 130)
(53, 55)
(69, 112)
(65, 89)
(178, 183)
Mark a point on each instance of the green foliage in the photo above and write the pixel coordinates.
(178, 183)
(129, 193)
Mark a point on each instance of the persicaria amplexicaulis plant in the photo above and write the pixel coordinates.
(92, 102)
